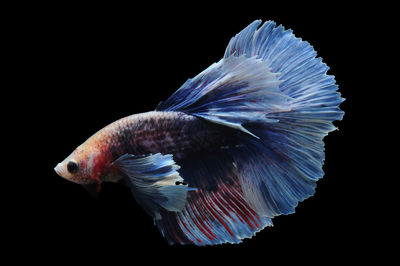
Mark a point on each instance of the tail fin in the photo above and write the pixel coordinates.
(271, 86)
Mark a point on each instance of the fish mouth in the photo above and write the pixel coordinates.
(58, 169)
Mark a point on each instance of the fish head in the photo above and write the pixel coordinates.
(78, 167)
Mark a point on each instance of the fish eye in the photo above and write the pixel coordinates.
(72, 167)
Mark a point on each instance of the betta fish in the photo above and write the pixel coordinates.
(232, 148)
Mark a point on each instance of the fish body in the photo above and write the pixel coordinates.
(231, 149)
(153, 132)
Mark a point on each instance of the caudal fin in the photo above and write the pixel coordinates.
(271, 86)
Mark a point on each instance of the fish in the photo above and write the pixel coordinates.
(232, 148)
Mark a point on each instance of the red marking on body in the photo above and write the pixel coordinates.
(113, 168)
(97, 166)
(96, 178)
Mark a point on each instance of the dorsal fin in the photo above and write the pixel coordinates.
(269, 84)
(231, 92)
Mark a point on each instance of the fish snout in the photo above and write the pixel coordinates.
(62, 169)
(59, 170)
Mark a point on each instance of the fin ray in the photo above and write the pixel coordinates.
(271, 86)
(231, 92)
(155, 182)
(217, 212)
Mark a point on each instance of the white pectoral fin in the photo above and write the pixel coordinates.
(155, 182)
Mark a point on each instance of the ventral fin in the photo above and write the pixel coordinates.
(155, 182)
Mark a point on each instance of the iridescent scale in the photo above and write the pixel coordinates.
(173, 133)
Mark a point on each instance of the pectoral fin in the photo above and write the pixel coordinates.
(93, 189)
(155, 182)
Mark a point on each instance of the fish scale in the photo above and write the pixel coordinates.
(152, 132)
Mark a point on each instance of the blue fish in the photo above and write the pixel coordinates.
(232, 148)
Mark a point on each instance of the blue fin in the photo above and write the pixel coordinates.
(292, 148)
(231, 92)
(266, 74)
(154, 182)
(217, 212)
(272, 86)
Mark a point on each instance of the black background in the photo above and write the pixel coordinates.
(85, 67)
